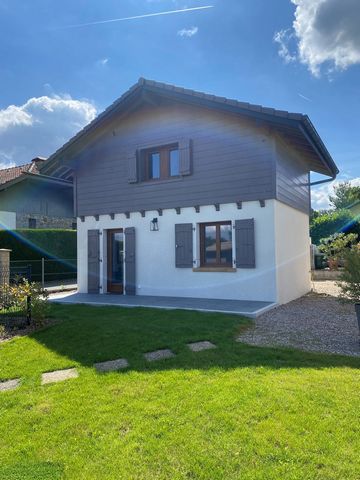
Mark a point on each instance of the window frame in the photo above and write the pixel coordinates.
(32, 223)
(165, 167)
(218, 264)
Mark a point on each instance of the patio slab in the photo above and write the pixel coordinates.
(58, 376)
(9, 385)
(246, 308)
(159, 355)
(111, 365)
(200, 346)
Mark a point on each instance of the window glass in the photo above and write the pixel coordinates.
(174, 163)
(210, 244)
(154, 165)
(117, 257)
(225, 244)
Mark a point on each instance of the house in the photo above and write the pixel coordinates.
(184, 194)
(31, 200)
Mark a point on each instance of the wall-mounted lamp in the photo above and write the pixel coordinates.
(154, 225)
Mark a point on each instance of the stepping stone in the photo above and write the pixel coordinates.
(159, 355)
(9, 384)
(199, 346)
(111, 365)
(58, 376)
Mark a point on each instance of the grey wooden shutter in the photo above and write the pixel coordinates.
(245, 243)
(185, 156)
(93, 261)
(183, 245)
(130, 270)
(133, 167)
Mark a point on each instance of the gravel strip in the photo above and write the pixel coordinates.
(315, 322)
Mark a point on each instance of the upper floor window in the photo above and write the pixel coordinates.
(161, 163)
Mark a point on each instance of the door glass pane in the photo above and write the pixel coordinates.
(210, 244)
(117, 269)
(226, 244)
(154, 165)
(174, 163)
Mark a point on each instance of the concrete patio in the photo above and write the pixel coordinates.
(247, 308)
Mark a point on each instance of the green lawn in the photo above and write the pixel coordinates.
(237, 412)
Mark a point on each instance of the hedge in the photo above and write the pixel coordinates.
(333, 221)
(29, 246)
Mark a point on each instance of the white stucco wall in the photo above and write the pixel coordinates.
(292, 243)
(155, 254)
(7, 220)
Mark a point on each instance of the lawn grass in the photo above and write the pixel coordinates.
(235, 412)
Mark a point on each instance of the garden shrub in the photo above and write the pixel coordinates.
(331, 222)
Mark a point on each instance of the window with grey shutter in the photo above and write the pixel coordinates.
(133, 167)
(93, 261)
(185, 149)
(130, 265)
(184, 245)
(245, 243)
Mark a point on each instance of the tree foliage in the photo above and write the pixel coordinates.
(350, 278)
(344, 196)
(331, 222)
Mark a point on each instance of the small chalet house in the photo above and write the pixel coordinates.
(31, 200)
(183, 194)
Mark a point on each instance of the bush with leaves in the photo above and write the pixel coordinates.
(15, 296)
(350, 278)
(330, 222)
(335, 247)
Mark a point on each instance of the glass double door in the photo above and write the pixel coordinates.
(115, 261)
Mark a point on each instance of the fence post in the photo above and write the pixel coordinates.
(28, 309)
(43, 272)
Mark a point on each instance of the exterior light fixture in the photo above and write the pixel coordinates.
(154, 225)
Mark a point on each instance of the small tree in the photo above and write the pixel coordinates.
(345, 195)
(350, 278)
(335, 247)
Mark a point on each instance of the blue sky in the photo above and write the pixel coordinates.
(54, 79)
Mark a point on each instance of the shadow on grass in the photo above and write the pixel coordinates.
(86, 334)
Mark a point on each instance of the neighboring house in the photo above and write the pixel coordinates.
(180, 193)
(31, 200)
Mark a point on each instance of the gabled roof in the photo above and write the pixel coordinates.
(297, 127)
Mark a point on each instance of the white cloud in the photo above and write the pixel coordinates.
(327, 34)
(40, 126)
(102, 62)
(320, 194)
(188, 32)
(283, 38)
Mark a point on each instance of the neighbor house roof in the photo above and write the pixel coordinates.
(297, 127)
(10, 176)
(11, 173)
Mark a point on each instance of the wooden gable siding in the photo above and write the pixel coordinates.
(292, 178)
(232, 159)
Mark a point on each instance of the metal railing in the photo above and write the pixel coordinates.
(45, 270)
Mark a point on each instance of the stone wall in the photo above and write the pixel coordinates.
(44, 221)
